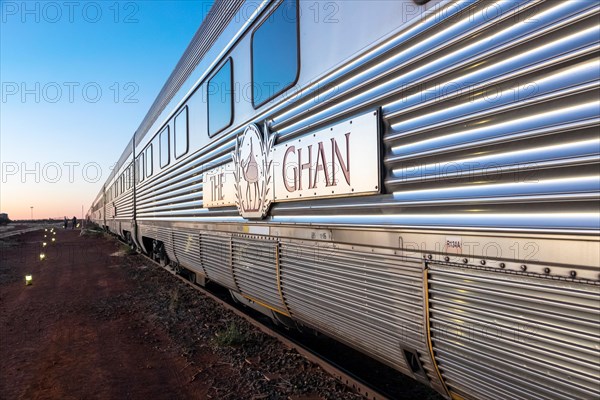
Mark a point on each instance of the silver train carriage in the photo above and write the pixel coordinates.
(418, 180)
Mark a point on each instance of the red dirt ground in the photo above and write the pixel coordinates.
(56, 341)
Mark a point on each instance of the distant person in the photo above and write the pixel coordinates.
(74, 222)
(66, 222)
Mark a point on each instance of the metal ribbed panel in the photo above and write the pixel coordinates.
(186, 245)
(165, 235)
(123, 205)
(178, 190)
(497, 335)
(215, 251)
(497, 107)
(255, 269)
(369, 298)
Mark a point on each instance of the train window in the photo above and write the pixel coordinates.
(180, 133)
(275, 53)
(141, 174)
(164, 147)
(220, 99)
(129, 176)
(148, 153)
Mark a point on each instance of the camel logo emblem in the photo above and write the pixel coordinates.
(252, 159)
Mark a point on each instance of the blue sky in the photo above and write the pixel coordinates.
(77, 78)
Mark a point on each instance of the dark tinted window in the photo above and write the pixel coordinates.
(220, 100)
(181, 133)
(129, 176)
(164, 147)
(139, 168)
(149, 161)
(275, 53)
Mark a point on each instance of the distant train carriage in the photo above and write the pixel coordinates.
(419, 180)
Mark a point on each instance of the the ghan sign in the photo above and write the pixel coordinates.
(341, 160)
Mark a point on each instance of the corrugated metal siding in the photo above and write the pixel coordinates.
(498, 335)
(186, 246)
(165, 235)
(215, 251)
(255, 269)
(369, 298)
(124, 206)
(495, 109)
(177, 192)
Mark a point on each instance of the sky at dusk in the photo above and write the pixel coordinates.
(77, 78)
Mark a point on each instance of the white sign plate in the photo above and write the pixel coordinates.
(219, 186)
(340, 160)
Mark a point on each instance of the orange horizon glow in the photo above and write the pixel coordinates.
(49, 200)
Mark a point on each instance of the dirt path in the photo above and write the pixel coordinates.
(69, 336)
(97, 323)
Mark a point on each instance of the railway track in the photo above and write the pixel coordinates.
(348, 378)
(8, 234)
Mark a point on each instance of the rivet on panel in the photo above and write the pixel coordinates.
(465, 260)
(523, 267)
(482, 262)
(546, 270)
(430, 256)
(573, 274)
(446, 258)
(502, 265)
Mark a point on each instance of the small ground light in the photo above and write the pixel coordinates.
(45, 235)
(44, 244)
(28, 280)
(45, 230)
(78, 225)
(42, 256)
(53, 239)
